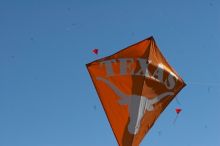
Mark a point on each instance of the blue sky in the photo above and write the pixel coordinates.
(47, 97)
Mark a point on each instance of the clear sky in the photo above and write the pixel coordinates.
(47, 97)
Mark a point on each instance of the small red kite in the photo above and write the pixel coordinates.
(178, 110)
(134, 86)
(95, 51)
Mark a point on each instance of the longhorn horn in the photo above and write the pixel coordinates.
(160, 97)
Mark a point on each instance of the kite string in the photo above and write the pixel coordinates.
(177, 100)
(204, 83)
(174, 121)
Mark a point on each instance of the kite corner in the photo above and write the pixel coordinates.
(151, 38)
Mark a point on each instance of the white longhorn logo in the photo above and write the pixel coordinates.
(137, 105)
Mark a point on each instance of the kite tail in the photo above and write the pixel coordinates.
(114, 88)
(174, 121)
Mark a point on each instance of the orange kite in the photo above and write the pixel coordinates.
(134, 86)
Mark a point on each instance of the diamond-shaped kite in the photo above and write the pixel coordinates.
(134, 86)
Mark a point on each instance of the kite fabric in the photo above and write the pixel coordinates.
(134, 86)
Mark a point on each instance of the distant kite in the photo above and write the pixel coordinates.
(95, 51)
(134, 86)
(178, 110)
